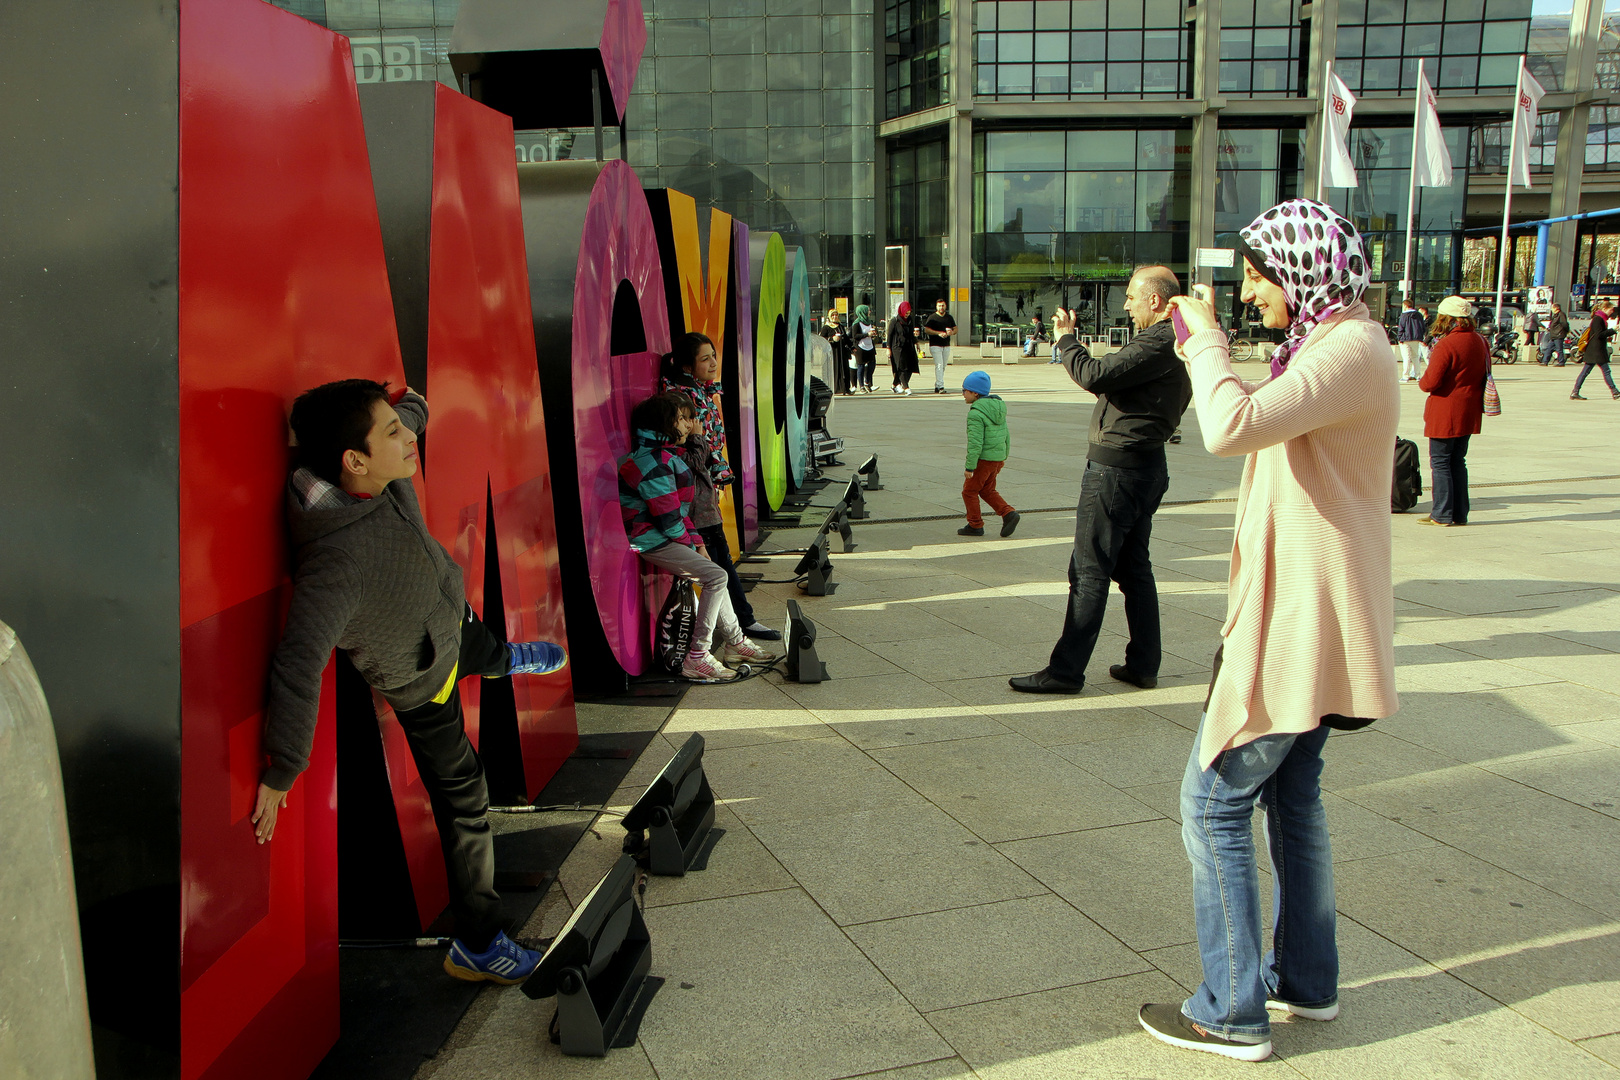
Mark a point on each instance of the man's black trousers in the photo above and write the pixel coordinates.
(1113, 524)
(454, 778)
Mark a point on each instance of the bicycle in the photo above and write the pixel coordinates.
(1241, 349)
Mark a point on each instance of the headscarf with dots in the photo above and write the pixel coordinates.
(1317, 257)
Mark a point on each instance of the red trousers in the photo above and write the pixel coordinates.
(982, 484)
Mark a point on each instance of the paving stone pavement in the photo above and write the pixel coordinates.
(927, 876)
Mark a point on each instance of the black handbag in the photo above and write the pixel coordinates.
(676, 621)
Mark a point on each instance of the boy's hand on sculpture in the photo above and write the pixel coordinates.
(264, 814)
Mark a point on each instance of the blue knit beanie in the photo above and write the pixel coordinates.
(978, 382)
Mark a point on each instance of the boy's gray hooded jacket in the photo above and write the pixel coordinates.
(369, 580)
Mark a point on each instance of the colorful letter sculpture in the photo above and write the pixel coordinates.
(486, 461)
(600, 327)
(798, 370)
(171, 314)
(552, 65)
(700, 302)
(738, 375)
(767, 268)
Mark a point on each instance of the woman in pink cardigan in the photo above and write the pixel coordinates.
(1308, 642)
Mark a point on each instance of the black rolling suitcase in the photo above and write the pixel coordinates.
(1408, 488)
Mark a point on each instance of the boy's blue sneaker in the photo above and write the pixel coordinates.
(505, 961)
(536, 658)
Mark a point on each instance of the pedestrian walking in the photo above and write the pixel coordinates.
(902, 336)
(989, 444)
(940, 330)
(1455, 382)
(833, 329)
(1142, 392)
(1596, 353)
(865, 348)
(1532, 327)
(1410, 331)
(1308, 642)
(1553, 340)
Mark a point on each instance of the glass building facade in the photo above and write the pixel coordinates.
(767, 115)
(1105, 134)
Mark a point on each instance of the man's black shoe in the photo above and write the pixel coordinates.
(1042, 682)
(1125, 674)
(1010, 522)
(968, 530)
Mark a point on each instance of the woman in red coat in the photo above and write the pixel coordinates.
(1455, 380)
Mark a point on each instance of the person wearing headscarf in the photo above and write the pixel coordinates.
(865, 348)
(1455, 381)
(901, 336)
(843, 363)
(1308, 641)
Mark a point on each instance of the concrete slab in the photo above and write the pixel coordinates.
(787, 997)
(882, 864)
(1004, 787)
(803, 779)
(992, 951)
(1088, 1030)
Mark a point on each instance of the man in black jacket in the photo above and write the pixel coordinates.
(1553, 340)
(1142, 391)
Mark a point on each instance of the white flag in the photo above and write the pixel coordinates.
(1430, 158)
(1524, 126)
(1341, 103)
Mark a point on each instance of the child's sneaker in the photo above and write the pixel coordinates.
(705, 668)
(1010, 522)
(745, 651)
(970, 530)
(505, 961)
(536, 658)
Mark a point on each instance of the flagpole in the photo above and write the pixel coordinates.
(1507, 201)
(1411, 193)
(1322, 143)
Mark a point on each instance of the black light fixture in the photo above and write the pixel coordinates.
(816, 562)
(802, 665)
(667, 826)
(869, 470)
(855, 500)
(597, 965)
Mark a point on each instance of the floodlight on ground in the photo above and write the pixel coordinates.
(855, 500)
(597, 965)
(669, 823)
(801, 665)
(869, 470)
(816, 564)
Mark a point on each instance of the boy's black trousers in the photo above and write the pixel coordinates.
(454, 777)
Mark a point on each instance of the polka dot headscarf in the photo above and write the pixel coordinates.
(1316, 256)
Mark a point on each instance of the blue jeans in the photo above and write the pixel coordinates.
(1586, 369)
(1283, 774)
(1113, 525)
(1448, 466)
(1551, 343)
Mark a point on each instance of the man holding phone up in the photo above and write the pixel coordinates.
(1142, 391)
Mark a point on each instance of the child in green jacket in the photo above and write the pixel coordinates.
(988, 444)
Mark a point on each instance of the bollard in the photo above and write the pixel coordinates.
(44, 1018)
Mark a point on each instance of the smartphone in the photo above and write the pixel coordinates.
(1182, 333)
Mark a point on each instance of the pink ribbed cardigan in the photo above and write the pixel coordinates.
(1310, 610)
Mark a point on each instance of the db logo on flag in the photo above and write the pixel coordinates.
(1524, 101)
(1338, 104)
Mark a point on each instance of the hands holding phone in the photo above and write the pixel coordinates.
(1192, 314)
